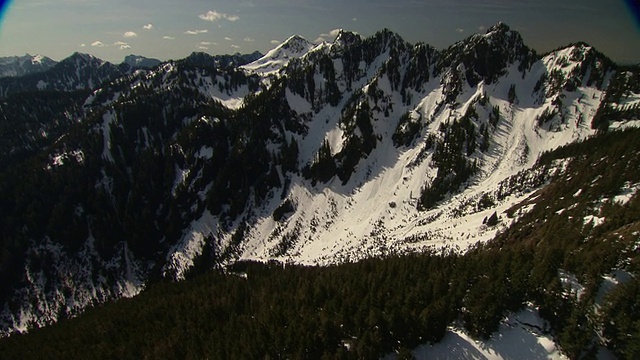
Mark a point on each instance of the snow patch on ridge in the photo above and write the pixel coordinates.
(180, 258)
(107, 119)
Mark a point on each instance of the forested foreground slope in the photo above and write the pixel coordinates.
(572, 254)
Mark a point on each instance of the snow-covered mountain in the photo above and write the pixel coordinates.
(24, 65)
(381, 142)
(292, 48)
(86, 72)
(77, 72)
(357, 148)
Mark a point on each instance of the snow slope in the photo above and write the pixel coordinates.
(548, 104)
(375, 212)
(521, 336)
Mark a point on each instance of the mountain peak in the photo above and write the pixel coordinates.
(346, 37)
(78, 54)
(82, 57)
(138, 61)
(389, 38)
(200, 58)
(293, 47)
(499, 27)
(486, 56)
(504, 35)
(294, 37)
(296, 44)
(389, 33)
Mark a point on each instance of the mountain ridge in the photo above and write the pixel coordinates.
(79, 71)
(12, 66)
(359, 148)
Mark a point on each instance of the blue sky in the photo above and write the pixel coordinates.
(173, 29)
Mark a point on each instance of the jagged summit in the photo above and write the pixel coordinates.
(346, 38)
(503, 34)
(388, 34)
(486, 56)
(386, 38)
(499, 27)
(497, 37)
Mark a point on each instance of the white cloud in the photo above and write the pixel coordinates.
(459, 30)
(354, 19)
(235, 46)
(203, 48)
(482, 28)
(123, 45)
(214, 16)
(211, 16)
(166, 37)
(324, 37)
(83, 45)
(98, 44)
(248, 39)
(130, 34)
(205, 43)
(332, 34)
(275, 42)
(196, 32)
(335, 32)
(228, 38)
(148, 27)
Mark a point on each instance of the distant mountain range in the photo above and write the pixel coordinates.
(117, 176)
(14, 66)
(86, 72)
(24, 65)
